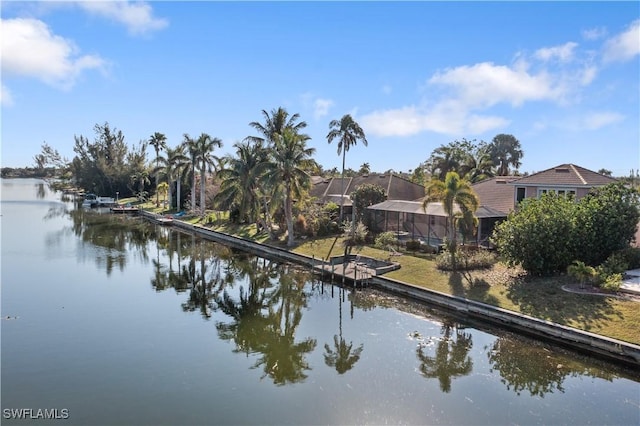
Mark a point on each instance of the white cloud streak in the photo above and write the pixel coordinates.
(625, 46)
(321, 107)
(597, 120)
(136, 17)
(563, 53)
(594, 33)
(30, 49)
(6, 99)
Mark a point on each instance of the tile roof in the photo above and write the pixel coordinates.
(565, 175)
(396, 187)
(495, 194)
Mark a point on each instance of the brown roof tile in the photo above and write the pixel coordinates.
(495, 193)
(565, 175)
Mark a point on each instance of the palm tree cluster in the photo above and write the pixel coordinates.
(268, 172)
(191, 157)
(476, 161)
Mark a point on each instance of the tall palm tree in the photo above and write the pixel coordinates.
(290, 160)
(505, 151)
(478, 165)
(206, 161)
(158, 141)
(191, 148)
(174, 166)
(240, 179)
(348, 132)
(274, 124)
(453, 192)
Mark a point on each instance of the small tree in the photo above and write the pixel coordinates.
(539, 235)
(386, 240)
(364, 196)
(581, 271)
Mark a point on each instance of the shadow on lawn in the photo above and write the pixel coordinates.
(463, 285)
(546, 300)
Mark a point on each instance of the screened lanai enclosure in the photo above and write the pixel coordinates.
(411, 221)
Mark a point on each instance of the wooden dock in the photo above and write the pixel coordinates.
(354, 272)
(124, 209)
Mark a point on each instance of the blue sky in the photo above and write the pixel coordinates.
(563, 77)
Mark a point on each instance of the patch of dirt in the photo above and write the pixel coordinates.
(500, 274)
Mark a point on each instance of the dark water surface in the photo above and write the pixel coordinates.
(118, 321)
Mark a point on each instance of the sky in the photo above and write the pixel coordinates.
(562, 77)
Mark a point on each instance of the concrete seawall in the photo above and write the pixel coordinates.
(583, 341)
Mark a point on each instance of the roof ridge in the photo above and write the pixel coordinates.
(575, 170)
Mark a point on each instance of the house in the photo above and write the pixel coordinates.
(498, 197)
(326, 190)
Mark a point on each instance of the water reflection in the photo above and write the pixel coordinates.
(342, 356)
(534, 368)
(261, 304)
(265, 317)
(451, 358)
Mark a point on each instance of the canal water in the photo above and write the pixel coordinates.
(110, 320)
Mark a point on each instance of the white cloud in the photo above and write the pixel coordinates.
(624, 46)
(5, 96)
(594, 33)
(386, 89)
(30, 49)
(563, 53)
(486, 84)
(597, 120)
(321, 107)
(448, 118)
(137, 17)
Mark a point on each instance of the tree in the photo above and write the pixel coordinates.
(364, 196)
(163, 188)
(546, 235)
(241, 177)
(206, 161)
(605, 172)
(505, 151)
(448, 158)
(452, 192)
(173, 166)
(274, 124)
(348, 132)
(477, 164)
(100, 166)
(191, 147)
(365, 169)
(540, 235)
(290, 160)
(606, 221)
(158, 141)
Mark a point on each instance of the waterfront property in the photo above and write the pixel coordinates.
(170, 328)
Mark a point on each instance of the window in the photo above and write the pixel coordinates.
(560, 191)
(520, 194)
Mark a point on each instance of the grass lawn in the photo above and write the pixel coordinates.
(507, 288)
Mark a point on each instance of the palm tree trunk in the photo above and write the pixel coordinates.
(344, 152)
(202, 185)
(178, 207)
(193, 187)
(288, 212)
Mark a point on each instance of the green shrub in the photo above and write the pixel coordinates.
(612, 282)
(632, 256)
(581, 272)
(466, 260)
(386, 240)
(413, 245)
